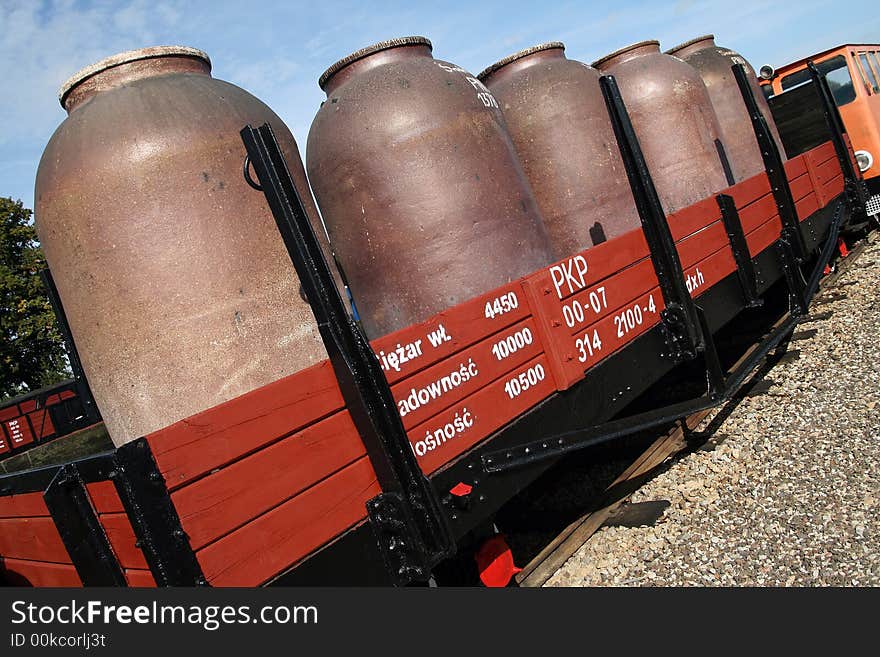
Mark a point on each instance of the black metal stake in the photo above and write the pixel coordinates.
(81, 532)
(679, 316)
(854, 190)
(407, 518)
(83, 391)
(745, 268)
(153, 516)
(793, 277)
(772, 165)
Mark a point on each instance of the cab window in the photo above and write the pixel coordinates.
(837, 74)
(874, 58)
(871, 79)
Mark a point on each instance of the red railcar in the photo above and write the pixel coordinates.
(371, 467)
(39, 416)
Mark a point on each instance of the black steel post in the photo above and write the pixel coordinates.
(826, 253)
(716, 379)
(679, 316)
(773, 165)
(407, 519)
(153, 517)
(83, 391)
(81, 532)
(854, 190)
(739, 247)
(793, 276)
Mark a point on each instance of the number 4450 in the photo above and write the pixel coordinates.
(501, 305)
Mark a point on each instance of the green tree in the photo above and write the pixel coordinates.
(31, 348)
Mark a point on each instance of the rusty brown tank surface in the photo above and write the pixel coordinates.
(178, 288)
(419, 185)
(674, 120)
(714, 63)
(559, 123)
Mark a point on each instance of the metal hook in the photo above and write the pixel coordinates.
(247, 174)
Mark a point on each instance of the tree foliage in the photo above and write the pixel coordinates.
(31, 348)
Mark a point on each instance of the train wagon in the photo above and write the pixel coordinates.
(34, 418)
(374, 465)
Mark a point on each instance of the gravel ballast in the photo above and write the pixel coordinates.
(787, 491)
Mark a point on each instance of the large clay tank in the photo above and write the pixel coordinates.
(559, 123)
(178, 288)
(419, 185)
(714, 66)
(674, 120)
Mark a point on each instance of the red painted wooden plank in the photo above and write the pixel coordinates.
(833, 187)
(42, 424)
(827, 171)
(224, 433)
(23, 572)
(104, 497)
(762, 237)
(428, 392)
(689, 220)
(9, 413)
(139, 578)
(811, 173)
(27, 406)
(26, 504)
(67, 394)
(806, 206)
(702, 244)
(749, 190)
(823, 152)
(32, 538)
(796, 167)
(801, 187)
(121, 536)
(270, 544)
(758, 213)
(227, 499)
(405, 352)
(445, 436)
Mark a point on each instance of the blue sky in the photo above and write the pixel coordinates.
(277, 49)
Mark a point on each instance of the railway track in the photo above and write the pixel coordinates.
(689, 434)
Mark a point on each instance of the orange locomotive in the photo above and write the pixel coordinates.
(853, 74)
